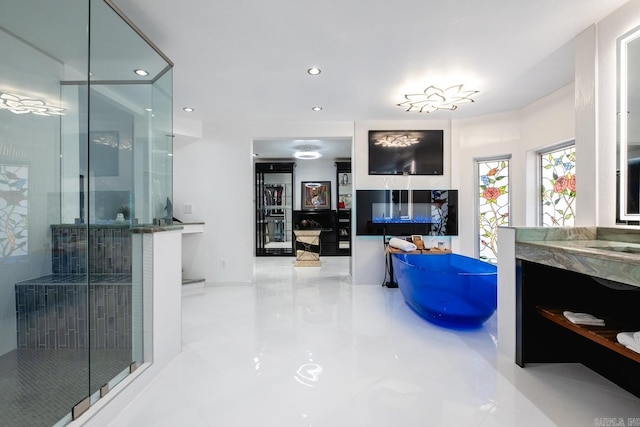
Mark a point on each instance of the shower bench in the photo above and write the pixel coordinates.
(59, 310)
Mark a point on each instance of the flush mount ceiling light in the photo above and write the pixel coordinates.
(434, 98)
(141, 72)
(307, 153)
(397, 141)
(317, 108)
(189, 109)
(19, 104)
(314, 71)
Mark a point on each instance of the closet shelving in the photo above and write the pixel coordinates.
(345, 197)
(274, 195)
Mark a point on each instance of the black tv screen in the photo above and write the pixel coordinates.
(406, 152)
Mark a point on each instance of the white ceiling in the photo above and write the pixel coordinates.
(283, 149)
(247, 59)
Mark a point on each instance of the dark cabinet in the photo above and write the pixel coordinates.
(345, 191)
(327, 221)
(544, 335)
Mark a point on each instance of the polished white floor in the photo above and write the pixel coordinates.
(303, 347)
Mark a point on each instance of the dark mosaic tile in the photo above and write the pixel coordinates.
(42, 399)
(53, 309)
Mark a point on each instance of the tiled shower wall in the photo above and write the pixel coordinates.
(53, 311)
(110, 249)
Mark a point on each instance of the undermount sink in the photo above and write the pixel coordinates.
(624, 249)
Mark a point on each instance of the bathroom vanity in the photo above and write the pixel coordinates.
(581, 269)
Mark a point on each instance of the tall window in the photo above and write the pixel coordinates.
(558, 186)
(493, 205)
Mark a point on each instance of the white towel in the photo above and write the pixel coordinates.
(627, 339)
(583, 319)
(402, 244)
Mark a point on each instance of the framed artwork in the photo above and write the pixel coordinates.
(316, 195)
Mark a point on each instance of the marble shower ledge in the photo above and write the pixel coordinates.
(611, 253)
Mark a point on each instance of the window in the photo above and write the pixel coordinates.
(558, 186)
(493, 205)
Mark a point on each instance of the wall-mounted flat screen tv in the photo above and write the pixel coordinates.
(407, 212)
(406, 152)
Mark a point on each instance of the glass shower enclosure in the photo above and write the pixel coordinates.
(85, 158)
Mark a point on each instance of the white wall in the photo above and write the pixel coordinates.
(368, 259)
(214, 176)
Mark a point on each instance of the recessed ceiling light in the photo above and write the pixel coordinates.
(317, 108)
(148, 109)
(314, 71)
(189, 109)
(141, 72)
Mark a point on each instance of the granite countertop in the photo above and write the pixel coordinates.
(155, 228)
(610, 253)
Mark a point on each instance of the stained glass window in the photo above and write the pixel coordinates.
(14, 210)
(493, 205)
(558, 198)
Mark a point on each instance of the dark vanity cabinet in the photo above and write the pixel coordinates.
(345, 197)
(544, 335)
(274, 195)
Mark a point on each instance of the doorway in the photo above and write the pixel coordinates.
(279, 177)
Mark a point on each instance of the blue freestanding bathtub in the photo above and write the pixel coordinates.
(449, 290)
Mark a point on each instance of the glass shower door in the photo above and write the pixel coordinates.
(44, 367)
(85, 156)
(129, 183)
